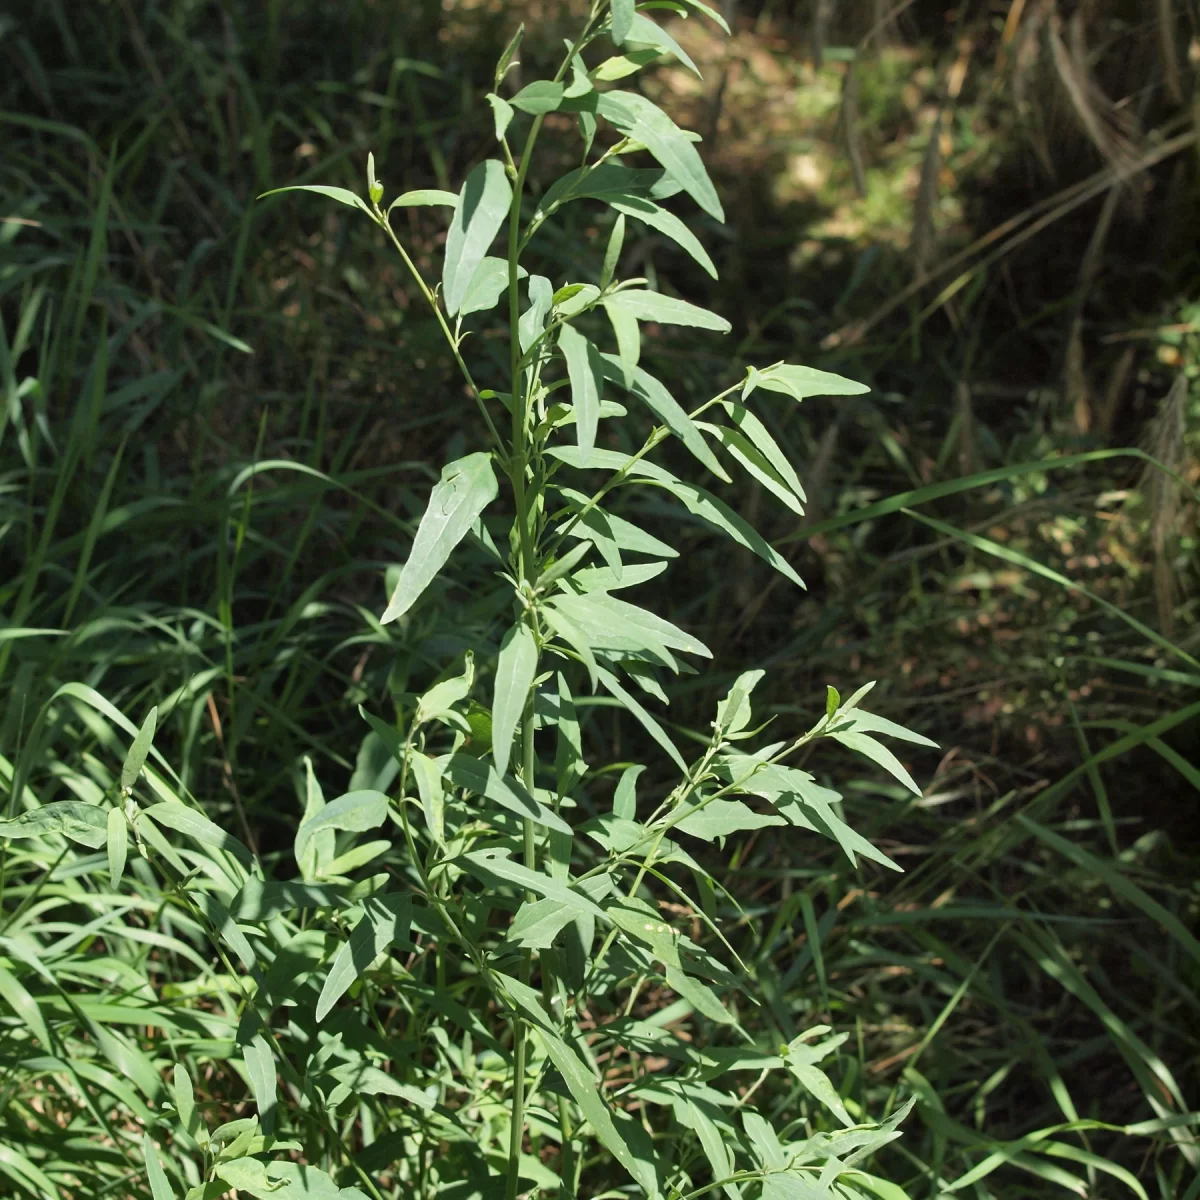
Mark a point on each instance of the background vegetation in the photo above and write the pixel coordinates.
(221, 418)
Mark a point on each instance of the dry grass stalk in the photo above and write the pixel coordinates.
(1164, 441)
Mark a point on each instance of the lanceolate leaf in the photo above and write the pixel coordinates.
(645, 32)
(602, 617)
(384, 922)
(667, 310)
(541, 96)
(341, 195)
(426, 197)
(622, 1137)
(482, 779)
(645, 122)
(487, 286)
(802, 382)
(466, 488)
(586, 372)
(749, 424)
(655, 396)
(135, 760)
(623, 16)
(177, 816)
(647, 722)
(80, 822)
(481, 209)
(668, 224)
(497, 865)
(756, 466)
(717, 513)
(514, 676)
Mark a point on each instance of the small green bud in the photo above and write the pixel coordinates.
(376, 190)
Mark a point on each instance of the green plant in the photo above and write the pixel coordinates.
(450, 1072)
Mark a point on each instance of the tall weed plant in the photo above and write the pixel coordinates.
(496, 969)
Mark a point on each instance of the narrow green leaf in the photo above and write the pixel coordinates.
(669, 225)
(718, 514)
(135, 760)
(644, 122)
(482, 779)
(733, 713)
(515, 669)
(14, 993)
(117, 836)
(480, 210)
(496, 865)
(666, 310)
(877, 752)
(609, 621)
(622, 65)
(655, 396)
(342, 195)
(802, 382)
(625, 797)
(385, 921)
(699, 995)
(510, 53)
(160, 1189)
(626, 1140)
(748, 424)
(747, 455)
(585, 370)
(466, 488)
(428, 774)
(260, 1068)
(599, 526)
(720, 818)
(171, 814)
(424, 198)
(647, 722)
(644, 31)
(184, 1099)
(629, 341)
(612, 251)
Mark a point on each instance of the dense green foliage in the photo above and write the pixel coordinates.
(213, 977)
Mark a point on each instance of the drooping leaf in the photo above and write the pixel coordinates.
(668, 224)
(655, 396)
(644, 31)
(586, 373)
(428, 774)
(748, 424)
(479, 212)
(643, 121)
(699, 995)
(385, 921)
(533, 319)
(629, 340)
(623, 1137)
(482, 779)
(597, 525)
(638, 712)
(877, 752)
(515, 668)
(184, 1099)
(466, 488)
(667, 310)
(754, 463)
(718, 514)
(135, 760)
(74, 819)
